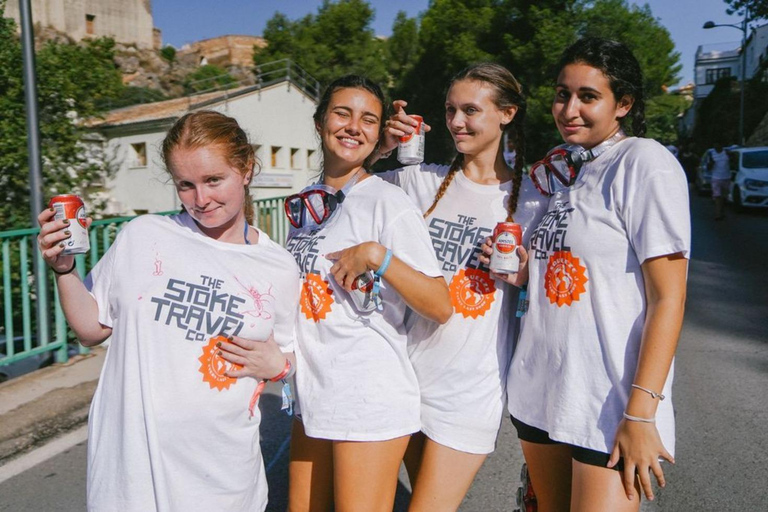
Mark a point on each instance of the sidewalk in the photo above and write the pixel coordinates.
(46, 403)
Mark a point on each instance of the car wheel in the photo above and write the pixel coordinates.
(738, 206)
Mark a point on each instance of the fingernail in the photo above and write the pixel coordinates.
(218, 344)
(61, 244)
(67, 232)
(229, 338)
(52, 209)
(218, 353)
(66, 222)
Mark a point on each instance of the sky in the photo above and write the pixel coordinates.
(186, 21)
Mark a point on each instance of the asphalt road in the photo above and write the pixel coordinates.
(720, 396)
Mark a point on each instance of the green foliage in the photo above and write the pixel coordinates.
(131, 95)
(208, 77)
(662, 115)
(168, 53)
(336, 41)
(402, 47)
(72, 81)
(757, 8)
(717, 119)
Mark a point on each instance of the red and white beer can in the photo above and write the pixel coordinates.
(362, 292)
(506, 237)
(69, 206)
(410, 150)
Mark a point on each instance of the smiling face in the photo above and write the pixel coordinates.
(585, 109)
(211, 190)
(472, 117)
(350, 128)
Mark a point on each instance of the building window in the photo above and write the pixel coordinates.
(310, 157)
(295, 164)
(715, 74)
(90, 19)
(139, 154)
(276, 150)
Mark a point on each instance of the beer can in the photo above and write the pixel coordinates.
(362, 293)
(506, 237)
(410, 149)
(69, 206)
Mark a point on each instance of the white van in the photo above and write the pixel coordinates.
(749, 175)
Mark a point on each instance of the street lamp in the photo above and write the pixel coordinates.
(742, 77)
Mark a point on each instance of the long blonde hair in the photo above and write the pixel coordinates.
(508, 93)
(208, 128)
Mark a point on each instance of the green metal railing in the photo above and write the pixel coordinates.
(27, 316)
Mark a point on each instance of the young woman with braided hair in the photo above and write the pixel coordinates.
(607, 269)
(461, 365)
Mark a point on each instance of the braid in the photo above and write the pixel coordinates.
(248, 206)
(517, 175)
(458, 161)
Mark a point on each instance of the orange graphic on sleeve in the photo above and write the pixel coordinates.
(565, 279)
(472, 292)
(213, 366)
(316, 297)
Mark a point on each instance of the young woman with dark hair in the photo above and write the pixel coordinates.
(462, 365)
(358, 398)
(591, 378)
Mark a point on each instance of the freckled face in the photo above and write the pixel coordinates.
(585, 109)
(475, 122)
(350, 130)
(212, 191)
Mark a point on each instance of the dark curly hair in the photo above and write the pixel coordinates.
(619, 65)
(353, 82)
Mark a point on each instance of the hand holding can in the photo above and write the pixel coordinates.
(410, 149)
(71, 208)
(506, 237)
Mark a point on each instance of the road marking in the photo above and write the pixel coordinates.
(45, 452)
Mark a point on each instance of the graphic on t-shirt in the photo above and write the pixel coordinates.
(201, 309)
(316, 293)
(549, 235)
(472, 292)
(457, 244)
(260, 300)
(213, 366)
(316, 297)
(565, 278)
(158, 266)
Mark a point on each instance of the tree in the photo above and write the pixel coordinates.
(662, 114)
(336, 41)
(402, 47)
(72, 80)
(757, 8)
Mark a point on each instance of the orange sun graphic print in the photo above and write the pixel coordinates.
(316, 298)
(213, 366)
(472, 292)
(565, 279)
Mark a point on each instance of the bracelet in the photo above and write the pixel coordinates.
(384, 264)
(384, 155)
(653, 395)
(74, 264)
(283, 374)
(637, 418)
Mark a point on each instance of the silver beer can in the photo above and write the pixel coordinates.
(410, 149)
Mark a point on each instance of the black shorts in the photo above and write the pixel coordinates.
(535, 435)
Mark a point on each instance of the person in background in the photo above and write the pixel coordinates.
(170, 427)
(358, 398)
(718, 164)
(591, 378)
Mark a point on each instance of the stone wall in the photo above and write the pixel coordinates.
(127, 21)
(224, 51)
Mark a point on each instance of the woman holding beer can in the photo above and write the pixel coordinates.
(182, 297)
(462, 365)
(591, 378)
(362, 249)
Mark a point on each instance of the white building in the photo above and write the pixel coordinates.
(713, 62)
(277, 118)
(757, 50)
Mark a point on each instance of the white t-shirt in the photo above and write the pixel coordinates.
(461, 365)
(721, 169)
(580, 340)
(354, 379)
(168, 431)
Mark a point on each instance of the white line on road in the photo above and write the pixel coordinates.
(45, 452)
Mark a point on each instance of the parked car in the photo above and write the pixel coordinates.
(749, 177)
